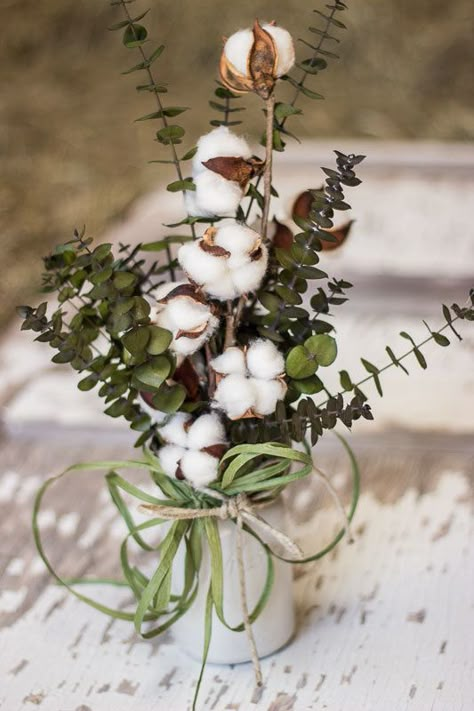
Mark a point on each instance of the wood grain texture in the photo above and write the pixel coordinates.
(383, 624)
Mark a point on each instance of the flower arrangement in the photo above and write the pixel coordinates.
(214, 351)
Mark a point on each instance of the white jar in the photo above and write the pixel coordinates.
(275, 625)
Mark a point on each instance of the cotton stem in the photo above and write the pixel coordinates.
(267, 175)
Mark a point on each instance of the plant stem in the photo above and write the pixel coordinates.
(230, 325)
(297, 93)
(164, 120)
(391, 364)
(267, 175)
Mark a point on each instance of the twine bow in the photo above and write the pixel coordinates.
(241, 509)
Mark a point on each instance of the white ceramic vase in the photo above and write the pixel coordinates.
(274, 626)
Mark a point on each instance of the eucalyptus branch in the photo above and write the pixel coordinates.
(161, 110)
(317, 51)
(461, 314)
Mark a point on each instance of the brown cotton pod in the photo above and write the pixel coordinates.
(215, 450)
(192, 333)
(186, 375)
(283, 236)
(236, 169)
(262, 61)
(302, 205)
(340, 234)
(187, 290)
(206, 243)
(233, 79)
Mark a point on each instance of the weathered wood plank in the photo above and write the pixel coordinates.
(382, 623)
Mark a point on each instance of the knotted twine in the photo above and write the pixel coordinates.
(240, 509)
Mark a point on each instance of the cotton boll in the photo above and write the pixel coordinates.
(220, 141)
(199, 468)
(187, 346)
(174, 431)
(223, 289)
(191, 206)
(200, 265)
(236, 239)
(216, 195)
(264, 360)
(169, 457)
(187, 313)
(160, 317)
(235, 395)
(206, 431)
(164, 289)
(237, 49)
(267, 393)
(284, 46)
(231, 361)
(249, 277)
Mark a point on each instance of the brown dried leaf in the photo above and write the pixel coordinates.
(302, 205)
(186, 375)
(262, 61)
(283, 236)
(340, 233)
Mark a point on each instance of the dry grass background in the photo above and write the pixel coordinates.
(70, 152)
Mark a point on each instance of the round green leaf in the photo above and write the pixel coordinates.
(169, 398)
(159, 341)
(309, 386)
(300, 363)
(153, 374)
(323, 348)
(136, 340)
(134, 35)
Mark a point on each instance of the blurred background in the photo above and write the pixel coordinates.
(71, 153)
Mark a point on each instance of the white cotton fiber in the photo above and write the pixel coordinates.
(284, 46)
(232, 360)
(169, 457)
(201, 266)
(216, 195)
(264, 360)
(249, 277)
(186, 313)
(237, 49)
(267, 393)
(187, 346)
(235, 395)
(206, 431)
(220, 141)
(191, 205)
(199, 468)
(174, 431)
(236, 239)
(223, 289)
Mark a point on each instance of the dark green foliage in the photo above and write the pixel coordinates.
(102, 328)
(225, 107)
(288, 320)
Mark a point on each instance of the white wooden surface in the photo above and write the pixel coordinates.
(383, 624)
